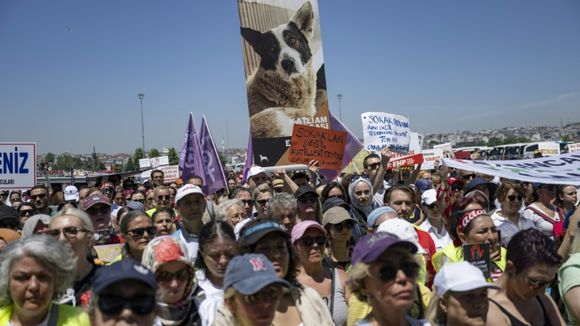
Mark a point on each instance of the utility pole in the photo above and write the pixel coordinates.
(141, 95)
(339, 106)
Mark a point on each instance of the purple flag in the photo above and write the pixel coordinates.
(249, 159)
(214, 171)
(190, 159)
(351, 148)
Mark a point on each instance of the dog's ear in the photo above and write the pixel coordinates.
(252, 36)
(304, 19)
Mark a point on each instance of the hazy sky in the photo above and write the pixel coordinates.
(70, 70)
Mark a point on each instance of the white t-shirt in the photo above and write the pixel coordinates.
(508, 228)
(209, 300)
(441, 239)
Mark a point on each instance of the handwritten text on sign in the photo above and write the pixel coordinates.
(382, 129)
(311, 143)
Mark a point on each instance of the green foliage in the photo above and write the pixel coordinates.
(173, 157)
(49, 157)
(139, 154)
(154, 153)
(130, 166)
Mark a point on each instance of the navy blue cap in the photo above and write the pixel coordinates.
(124, 270)
(478, 181)
(371, 246)
(334, 202)
(423, 185)
(250, 273)
(305, 189)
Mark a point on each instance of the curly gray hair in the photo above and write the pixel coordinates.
(281, 201)
(53, 254)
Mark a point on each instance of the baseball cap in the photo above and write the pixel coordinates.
(122, 271)
(460, 277)
(299, 229)
(277, 183)
(250, 273)
(424, 184)
(429, 196)
(335, 215)
(187, 189)
(255, 170)
(253, 233)
(94, 199)
(402, 229)
(135, 205)
(371, 246)
(334, 202)
(71, 193)
(378, 212)
(303, 190)
(298, 175)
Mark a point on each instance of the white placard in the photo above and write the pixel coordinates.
(574, 147)
(381, 129)
(17, 165)
(429, 158)
(415, 142)
(144, 163)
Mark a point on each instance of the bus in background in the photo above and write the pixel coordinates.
(507, 152)
(546, 148)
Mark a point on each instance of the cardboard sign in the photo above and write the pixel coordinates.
(153, 162)
(478, 254)
(311, 143)
(409, 160)
(381, 129)
(415, 142)
(17, 165)
(110, 252)
(429, 158)
(170, 173)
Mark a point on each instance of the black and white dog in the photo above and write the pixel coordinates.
(283, 86)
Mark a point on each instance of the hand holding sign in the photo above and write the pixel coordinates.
(322, 145)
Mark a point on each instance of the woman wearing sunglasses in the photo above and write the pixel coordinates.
(74, 228)
(167, 258)
(383, 273)
(138, 229)
(300, 305)
(338, 225)
(25, 211)
(507, 218)
(532, 263)
(309, 241)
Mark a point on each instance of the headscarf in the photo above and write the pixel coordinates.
(354, 202)
(30, 224)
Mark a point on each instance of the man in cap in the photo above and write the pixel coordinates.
(123, 294)
(98, 207)
(307, 203)
(190, 203)
(433, 223)
(257, 176)
(71, 194)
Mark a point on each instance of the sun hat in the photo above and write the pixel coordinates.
(188, 189)
(250, 273)
(334, 202)
(371, 246)
(299, 229)
(460, 277)
(335, 215)
(377, 213)
(122, 271)
(402, 229)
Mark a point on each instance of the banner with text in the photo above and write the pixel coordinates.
(382, 129)
(430, 156)
(284, 71)
(408, 160)
(311, 143)
(560, 169)
(17, 165)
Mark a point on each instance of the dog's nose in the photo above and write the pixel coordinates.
(288, 65)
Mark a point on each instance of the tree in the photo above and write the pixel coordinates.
(432, 143)
(139, 154)
(494, 141)
(49, 158)
(563, 138)
(154, 152)
(173, 157)
(130, 166)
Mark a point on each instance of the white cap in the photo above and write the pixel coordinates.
(71, 193)
(187, 189)
(255, 170)
(460, 277)
(402, 229)
(429, 196)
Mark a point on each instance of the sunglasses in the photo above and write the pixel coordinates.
(388, 272)
(308, 199)
(356, 177)
(69, 231)
(163, 197)
(139, 232)
(374, 166)
(166, 277)
(113, 305)
(266, 295)
(432, 205)
(248, 202)
(26, 212)
(99, 210)
(536, 284)
(514, 198)
(456, 187)
(344, 225)
(310, 241)
(41, 196)
(262, 202)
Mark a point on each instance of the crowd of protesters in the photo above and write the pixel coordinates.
(381, 247)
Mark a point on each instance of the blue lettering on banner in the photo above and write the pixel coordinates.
(13, 162)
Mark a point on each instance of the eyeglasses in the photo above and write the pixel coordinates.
(310, 241)
(113, 305)
(166, 277)
(308, 199)
(139, 232)
(536, 284)
(26, 212)
(41, 196)
(102, 210)
(69, 231)
(341, 226)
(262, 202)
(374, 166)
(514, 198)
(388, 272)
(248, 202)
(269, 294)
(163, 197)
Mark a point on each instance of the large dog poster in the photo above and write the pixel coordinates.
(284, 68)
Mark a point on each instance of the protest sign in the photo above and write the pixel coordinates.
(559, 169)
(108, 253)
(478, 254)
(287, 86)
(408, 160)
(573, 148)
(415, 142)
(382, 129)
(17, 165)
(153, 162)
(430, 156)
(311, 143)
(170, 173)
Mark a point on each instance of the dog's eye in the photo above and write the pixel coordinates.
(292, 41)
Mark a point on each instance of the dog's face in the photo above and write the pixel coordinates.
(286, 48)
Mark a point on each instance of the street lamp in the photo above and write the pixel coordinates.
(339, 106)
(141, 95)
